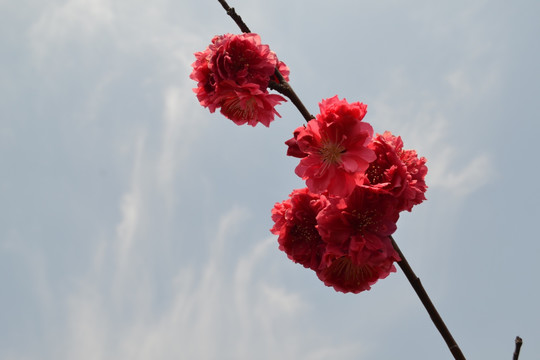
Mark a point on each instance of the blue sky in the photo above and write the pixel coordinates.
(134, 223)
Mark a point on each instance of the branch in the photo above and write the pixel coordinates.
(519, 342)
(284, 88)
(426, 301)
(237, 19)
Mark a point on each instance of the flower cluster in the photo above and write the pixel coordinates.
(357, 184)
(233, 74)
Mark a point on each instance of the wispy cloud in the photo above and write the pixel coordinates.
(183, 123)
(476, 173)
(131, 208)
(220, 310)
(424, 129)
(60, 24)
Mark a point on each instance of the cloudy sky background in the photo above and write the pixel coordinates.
(134, 223)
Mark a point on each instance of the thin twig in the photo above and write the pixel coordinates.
(284, 88)
(237, 19)
(519, 342)
(426, 301)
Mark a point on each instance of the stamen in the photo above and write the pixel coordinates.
(331, 152)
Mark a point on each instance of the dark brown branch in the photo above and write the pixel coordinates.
(237, 19)
(519, 342)
(283, 86)
(426, 301)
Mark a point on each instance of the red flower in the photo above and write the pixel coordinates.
(206, 81)
(334, 148)
(248, 104)
(233, 73)
(361, 214)
(356, 230)
(417, 186)
(293, 149)
(295, 223)
(243, 59)
(345, 274)
(396, 171)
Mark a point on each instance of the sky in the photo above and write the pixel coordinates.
(134, 224)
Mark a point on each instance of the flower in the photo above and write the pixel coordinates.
(417, 168)
(206, 81)
(356, 231)
(346, 275)
(293, 149)
(396, 171)
(248, 104)
(362, 214)
(296, 225)
(233, 74)
(242, 58)
(346, 241)
(333, 148)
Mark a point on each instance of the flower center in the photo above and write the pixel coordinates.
(240, 110)
(349, 273)
(375, 173)
(364, 219)
(331, 152)
(305, 233)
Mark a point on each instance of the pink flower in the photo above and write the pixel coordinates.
(417, 186)
(361, 214)
(293, 149)
(243, 59)
(295, 223)
(356, 230)
(396, 171)
(345, 274)
(335, 148)
(206, 81)
(344, 240)
(233, 74)
(248, 104)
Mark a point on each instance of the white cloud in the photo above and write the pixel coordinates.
(430, 122)
(475, 174)
(460, 82)
(74, 19)
(473, 81)
(445, 160)
(131, 209)
(183, 122)
(424, 129)
(87, 332)
(215, 311)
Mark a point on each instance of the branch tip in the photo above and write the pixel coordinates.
(519, 342)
